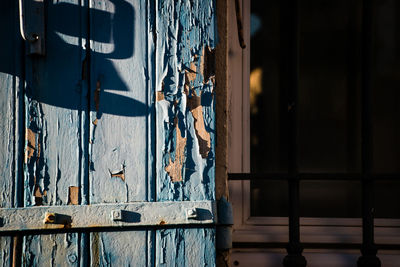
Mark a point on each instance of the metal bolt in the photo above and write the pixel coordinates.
(192, 213)
(116, 215)
(49, 217)
(72, 258)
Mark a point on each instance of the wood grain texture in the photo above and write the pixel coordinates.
(185, 247)
(185, 123)
(121, 111)
(11, 82)
(184, 73)
(54, 128)
(91, 124)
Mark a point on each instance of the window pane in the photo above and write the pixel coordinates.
(269, 198)
(336, 199)
(267, 120)
(387, 199)
(329, 88)
(329, 105)
(386, 89)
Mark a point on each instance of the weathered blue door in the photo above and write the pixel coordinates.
(107, 103)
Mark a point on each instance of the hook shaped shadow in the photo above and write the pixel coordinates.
(59, 78)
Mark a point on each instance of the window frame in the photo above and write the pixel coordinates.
(252, 229)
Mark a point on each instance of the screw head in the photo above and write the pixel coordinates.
(116, 215)
(72, 258)
(192, 213)
(49, 217)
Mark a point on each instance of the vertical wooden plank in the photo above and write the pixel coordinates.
(185, 128)
(185, 247)
(185, 100)
(55, 126)
(120, 123)
(10, 84)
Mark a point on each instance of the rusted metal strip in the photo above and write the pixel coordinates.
(139, 214)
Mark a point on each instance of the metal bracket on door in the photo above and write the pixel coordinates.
(32, 25)
(136, 214)
(225, 222)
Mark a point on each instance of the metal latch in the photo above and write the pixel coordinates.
(31, 25)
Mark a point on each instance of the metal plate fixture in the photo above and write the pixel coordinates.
(108, 215)
(31, 25)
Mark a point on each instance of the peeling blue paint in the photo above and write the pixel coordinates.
(185, 30)
(77, 133)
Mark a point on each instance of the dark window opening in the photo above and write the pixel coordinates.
(329, 112)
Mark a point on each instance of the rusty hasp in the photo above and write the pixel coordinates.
(108, 215)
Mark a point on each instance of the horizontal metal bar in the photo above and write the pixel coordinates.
(136, 214)
(312, 176)
(339, 246)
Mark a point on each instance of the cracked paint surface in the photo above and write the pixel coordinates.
(184, 78)
(148, 106)
(73, 195)
(11, 128)
(185, 127)
(175, 167)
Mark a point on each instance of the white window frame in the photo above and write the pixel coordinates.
(273, 229)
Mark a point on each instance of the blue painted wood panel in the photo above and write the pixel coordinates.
(55, 111)
(120, 109)
(185, 128)
(185, 106)
(121, 153)
(10, 103)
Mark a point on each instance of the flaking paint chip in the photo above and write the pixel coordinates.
(174, 168)
(160, 96)
(73, 195)
(120, 174)
(31, 146)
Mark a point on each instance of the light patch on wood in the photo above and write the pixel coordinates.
(31, 146)
(160, 96)
(203, 137)
(202, 65)
(73, 195)
(191, 73)
(37, 192)
(174, 168)
(120, 174)
(195, 107)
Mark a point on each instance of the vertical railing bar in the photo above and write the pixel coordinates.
(352, 57)
(294, 234)
(294, 249)
(368, 250)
